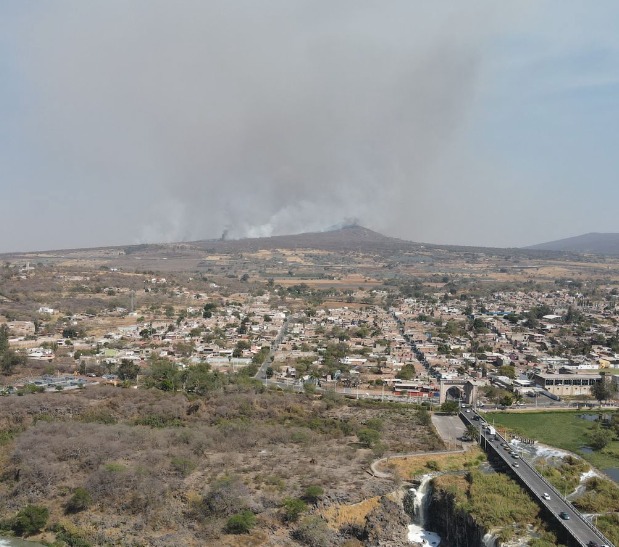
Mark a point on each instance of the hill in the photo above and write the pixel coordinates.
(348, 238)
(592, 243)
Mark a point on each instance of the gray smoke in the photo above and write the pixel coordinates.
(248, 118)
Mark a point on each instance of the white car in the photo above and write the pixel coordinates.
(546, 495)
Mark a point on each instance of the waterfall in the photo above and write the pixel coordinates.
(420, 501)
(489, 540)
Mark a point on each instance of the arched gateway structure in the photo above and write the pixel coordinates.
(466, 390)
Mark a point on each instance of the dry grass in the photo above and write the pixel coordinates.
(409, 467)
(341, 515)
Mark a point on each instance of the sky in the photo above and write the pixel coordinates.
(144, 121)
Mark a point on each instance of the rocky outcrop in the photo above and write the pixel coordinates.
(387, 525)
(456, 527)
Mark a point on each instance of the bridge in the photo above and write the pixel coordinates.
(577, 531)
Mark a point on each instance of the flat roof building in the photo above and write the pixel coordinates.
(567, 385)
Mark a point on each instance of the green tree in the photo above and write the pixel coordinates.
(127, 370)
(507, 370)
(423, 416)
(368, 437)
(9, 359)
(472, 432)
(599, 438)
(200, 379)
(605, 389)
(4, 338)
(450, 407)
(30, 520)
(163, 375)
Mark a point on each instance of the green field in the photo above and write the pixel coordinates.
(565, 430)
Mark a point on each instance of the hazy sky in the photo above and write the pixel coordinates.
(478, 122)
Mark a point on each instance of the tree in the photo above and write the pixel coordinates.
(4, 338)
(450, 407)
(605, 389)
(599, 438)
(9, 358)
(70, 332)
(472, 432)
(30, 520)
(423, 416)
(127, 370)
(507, 370)
(208, 310)
(163, 375)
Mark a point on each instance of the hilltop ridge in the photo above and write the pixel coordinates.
(591, 243)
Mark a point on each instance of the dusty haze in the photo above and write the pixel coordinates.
(150, 121)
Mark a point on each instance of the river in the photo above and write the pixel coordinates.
(16, 542)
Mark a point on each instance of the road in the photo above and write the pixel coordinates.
(577, 527)
(262, 371)
(450, 428)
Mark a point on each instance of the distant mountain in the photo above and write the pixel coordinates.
(347, 238)
(593, 243)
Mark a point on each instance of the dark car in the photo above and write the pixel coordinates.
(564, 515)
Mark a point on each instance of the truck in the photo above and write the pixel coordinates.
(490, 430)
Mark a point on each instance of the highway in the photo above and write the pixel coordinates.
(577, 527)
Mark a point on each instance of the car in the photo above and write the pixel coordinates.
(515, 456)
(564, 515)
(515, 464)
(467, 410)
(546, 495)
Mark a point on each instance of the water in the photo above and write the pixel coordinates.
(613, 473)
(416, 531)
(489, 540)
(16, 542)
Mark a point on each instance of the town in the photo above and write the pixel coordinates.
(263, 370)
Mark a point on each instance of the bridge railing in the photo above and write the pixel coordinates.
(549, 486)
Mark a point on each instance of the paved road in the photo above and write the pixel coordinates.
(262, 371)
(450, 429)
(579, 529)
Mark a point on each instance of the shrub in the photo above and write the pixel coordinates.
(79, 501)
(368, 437)
(241, 523)
(225, 497)
(293, 507)
(30, 520)
(313, 531)
(183, 466)
(433, 465)
(375, 423)
(313, 493)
